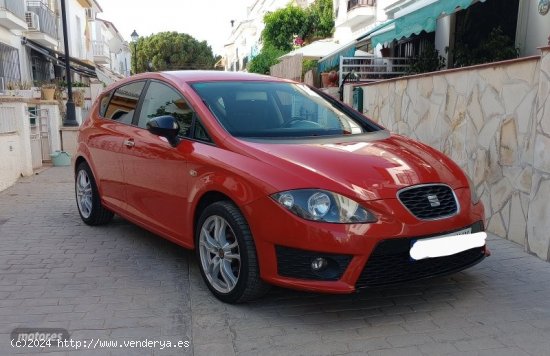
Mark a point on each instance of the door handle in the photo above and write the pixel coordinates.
(129, 143)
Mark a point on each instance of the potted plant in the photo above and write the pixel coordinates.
(385, 51)
(48, 91)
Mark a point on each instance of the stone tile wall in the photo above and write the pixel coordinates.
(494, 121)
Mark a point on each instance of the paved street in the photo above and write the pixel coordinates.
(119, 282)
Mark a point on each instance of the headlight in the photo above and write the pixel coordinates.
(322, 205)
(473, 192)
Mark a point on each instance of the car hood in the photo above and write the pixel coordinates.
(369, 169)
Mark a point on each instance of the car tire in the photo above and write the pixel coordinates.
(232, 280)
(88, 200)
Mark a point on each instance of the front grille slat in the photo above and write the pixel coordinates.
(429, 202)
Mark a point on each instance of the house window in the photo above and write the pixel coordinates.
(40, 67)
(413, 46)
(9, 65)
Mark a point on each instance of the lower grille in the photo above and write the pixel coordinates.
(390, 263)
(296, 263)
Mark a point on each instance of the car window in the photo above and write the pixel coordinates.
(124, 103)
(161, 100)
(200, 133)
(277, 109)
(103, 104)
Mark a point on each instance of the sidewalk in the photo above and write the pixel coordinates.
(119, 282)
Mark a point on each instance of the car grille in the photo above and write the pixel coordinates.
(296, 263)
(429, 202)
(390, 263)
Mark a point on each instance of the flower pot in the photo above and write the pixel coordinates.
(324, 80)
(333, 79)
(48, 93)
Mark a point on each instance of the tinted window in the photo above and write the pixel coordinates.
(200, 132)
(124, 102)
(161, 100)
(103, 104)
(273, 109)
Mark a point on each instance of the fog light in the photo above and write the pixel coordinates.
(318, 264)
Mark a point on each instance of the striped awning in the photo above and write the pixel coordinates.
(419, 16)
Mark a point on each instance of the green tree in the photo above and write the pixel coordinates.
(281, 25)
(267, 57)
(320, 19)
(314, 22)
(172, 51)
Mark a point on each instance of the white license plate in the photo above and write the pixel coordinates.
(446, 245)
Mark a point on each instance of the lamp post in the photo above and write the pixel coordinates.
(70, 117)
(135, 38)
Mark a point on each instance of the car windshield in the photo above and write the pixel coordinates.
(277, 110)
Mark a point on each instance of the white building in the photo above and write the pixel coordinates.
(244, 42)
(31, 43)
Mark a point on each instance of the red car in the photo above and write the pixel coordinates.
(273, 182)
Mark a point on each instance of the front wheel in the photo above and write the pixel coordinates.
(88, 201)
(227, 254)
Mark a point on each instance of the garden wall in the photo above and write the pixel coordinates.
(494, 121)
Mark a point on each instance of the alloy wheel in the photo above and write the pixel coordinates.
(219, 254)
(84, 193)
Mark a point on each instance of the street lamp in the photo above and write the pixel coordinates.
(70, 117)
(135, 38)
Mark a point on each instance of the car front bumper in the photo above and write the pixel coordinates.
(359, 255)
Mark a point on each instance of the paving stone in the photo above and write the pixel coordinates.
(121, 282)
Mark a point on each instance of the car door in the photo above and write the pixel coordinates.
(106, 145)
(155, 171)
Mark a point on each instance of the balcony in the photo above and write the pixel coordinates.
(12, 14)
(101, 52)
(42, 24)
(360, 12)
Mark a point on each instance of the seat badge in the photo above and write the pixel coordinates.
(434, 201)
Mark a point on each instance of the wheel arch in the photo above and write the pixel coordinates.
(208, 198)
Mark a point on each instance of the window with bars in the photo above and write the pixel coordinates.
(9, 64)
(40, 67)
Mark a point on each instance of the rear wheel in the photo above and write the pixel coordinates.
(227, 254)
(88, 201)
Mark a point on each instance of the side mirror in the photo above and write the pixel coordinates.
(165, 126)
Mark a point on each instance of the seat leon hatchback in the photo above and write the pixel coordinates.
(273, 182)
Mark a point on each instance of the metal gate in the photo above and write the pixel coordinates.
(40, 136)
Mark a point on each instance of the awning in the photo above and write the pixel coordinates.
(315, 50)
(419, 16)
(379, 28)
(333, 59)
(77, 65)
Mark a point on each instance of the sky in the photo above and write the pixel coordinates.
(206, 20)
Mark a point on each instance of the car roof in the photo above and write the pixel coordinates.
(182, 76)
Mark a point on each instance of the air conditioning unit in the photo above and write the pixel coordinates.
(32, 21)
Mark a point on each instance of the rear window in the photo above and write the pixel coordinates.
(124, 102)
(274, 109)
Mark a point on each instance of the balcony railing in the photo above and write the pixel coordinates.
(16, 7)
(352, 4)
(46, 17)
(100, 49)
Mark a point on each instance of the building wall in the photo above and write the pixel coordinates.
(494, 121)
(533, 28)
(77, 45)
(15, 143)
(9, 164)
